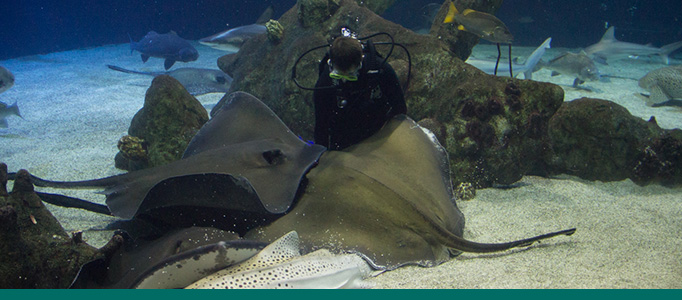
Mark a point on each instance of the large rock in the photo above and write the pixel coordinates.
(600, 140)
(490, 126)
(35, 250)
(161, 130)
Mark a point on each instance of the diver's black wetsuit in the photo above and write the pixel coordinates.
(369, 102)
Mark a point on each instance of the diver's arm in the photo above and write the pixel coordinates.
(393, 92)
(321, 135)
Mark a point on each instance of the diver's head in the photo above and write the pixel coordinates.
(345, 58)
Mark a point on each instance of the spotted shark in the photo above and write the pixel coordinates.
(611, 48)
(526, 68)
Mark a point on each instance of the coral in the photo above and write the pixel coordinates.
(133, 148)
(465, 191)
(274, 30)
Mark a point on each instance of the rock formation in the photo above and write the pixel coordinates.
(163, 127)
(491, 126)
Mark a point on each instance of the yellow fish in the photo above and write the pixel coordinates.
(485, 26)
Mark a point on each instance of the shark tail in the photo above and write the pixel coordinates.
(14, 108)
(535, 57)
(667, 49)
(452, 11)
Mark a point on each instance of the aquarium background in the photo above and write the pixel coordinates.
(29, 27)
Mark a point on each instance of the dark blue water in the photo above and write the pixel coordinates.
(30, 27)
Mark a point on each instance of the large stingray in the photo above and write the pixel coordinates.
(241, 169)
(388, 197)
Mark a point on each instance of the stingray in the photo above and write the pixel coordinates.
(389, 197)
(197, 81)
(241, 169)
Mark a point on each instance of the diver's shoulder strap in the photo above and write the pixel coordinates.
(373, 57)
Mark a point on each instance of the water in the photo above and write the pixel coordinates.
(75, 110)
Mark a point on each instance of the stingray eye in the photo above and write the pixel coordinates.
(274, 157)
(220, 79)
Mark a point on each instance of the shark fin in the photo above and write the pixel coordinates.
(610, 34)
(534, 58)
(144, 57)
(555, 73)
(168, 63)
(452, 11)
(3, 123)
(132, 44)
(14, 108)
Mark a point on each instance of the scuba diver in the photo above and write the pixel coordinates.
(356, 93)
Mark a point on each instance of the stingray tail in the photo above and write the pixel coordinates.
(95, 183)
(66, 201)
(461, 244)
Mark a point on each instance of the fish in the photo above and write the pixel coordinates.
(197, 81)
(527, 68)
(174, 260)
(611, 48)
(232, 39)
(168, 46)
(579, 65)
(389, 197)
(6, 79)
(6, 111)
(483, 25)
(427, 15)
(281, 266)
(664, 84)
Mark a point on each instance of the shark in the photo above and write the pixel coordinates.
(197, 81)
(611, 48)
(280, 265)
(232, 39)
(526, 68)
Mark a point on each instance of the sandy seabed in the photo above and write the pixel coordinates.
(75, 110)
